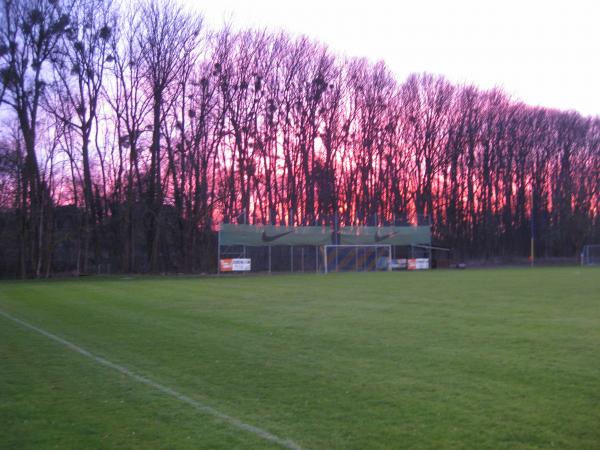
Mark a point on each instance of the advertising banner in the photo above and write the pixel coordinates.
(404, 235)
(418, 263)
(261, 235)
(269, 235)
(422, 263)
(235, 265)
(399, 264)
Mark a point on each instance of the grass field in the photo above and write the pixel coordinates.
(481, 359)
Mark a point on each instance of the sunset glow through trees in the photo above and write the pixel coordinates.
(128, 135)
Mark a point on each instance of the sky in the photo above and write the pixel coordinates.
(541, 52)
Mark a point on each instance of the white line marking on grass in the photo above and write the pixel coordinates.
(286, 443)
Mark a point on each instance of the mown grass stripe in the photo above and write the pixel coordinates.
(285, 443)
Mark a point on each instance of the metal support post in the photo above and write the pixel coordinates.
(219, 253)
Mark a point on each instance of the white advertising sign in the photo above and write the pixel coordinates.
(235, 265)
(397, 264)
(422, 263)
(241, 264)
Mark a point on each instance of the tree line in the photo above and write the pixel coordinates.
(128, 134)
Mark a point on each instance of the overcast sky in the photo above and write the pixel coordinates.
(543, 52)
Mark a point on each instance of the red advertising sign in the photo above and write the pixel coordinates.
(235, 265)
(226, 265)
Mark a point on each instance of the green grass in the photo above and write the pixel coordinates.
(497, 359)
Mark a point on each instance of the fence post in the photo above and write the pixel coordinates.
(316, 258)
(219, 252)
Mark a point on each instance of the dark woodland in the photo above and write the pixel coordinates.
(127, 136)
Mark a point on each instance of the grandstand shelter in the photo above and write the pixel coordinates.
(273, 248)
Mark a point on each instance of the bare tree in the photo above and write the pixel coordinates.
(147, 129)
(30, 32)
(166, 34)
(85, 53)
